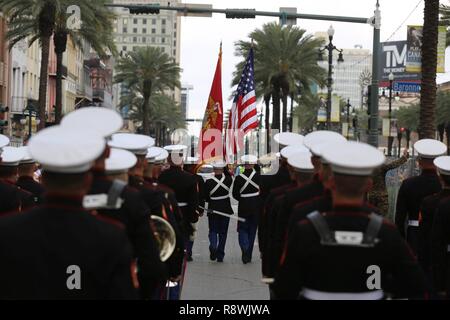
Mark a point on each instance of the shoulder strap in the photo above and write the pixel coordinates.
(373, 228)
(115, 191)
(248, 180)
(219, 183)
(321, 226)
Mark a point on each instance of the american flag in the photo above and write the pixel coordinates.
(243, 114)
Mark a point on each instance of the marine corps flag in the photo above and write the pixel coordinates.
(210, 143)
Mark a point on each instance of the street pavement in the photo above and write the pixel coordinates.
(230, 280)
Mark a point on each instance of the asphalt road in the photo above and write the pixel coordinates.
(230, 280)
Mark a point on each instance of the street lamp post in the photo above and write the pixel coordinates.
(390, 137)
(29, 112)
(330, 48)
(347, 114)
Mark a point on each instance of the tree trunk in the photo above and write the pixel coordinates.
(291, 119)
(441, 131)
(285, 105)
(46, 27)
(60, 41)
(145, 108)
(429, 63)
(43, 80)
(276, 105)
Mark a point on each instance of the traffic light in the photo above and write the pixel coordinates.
(402, 129)
(144, 9)
(240, 13)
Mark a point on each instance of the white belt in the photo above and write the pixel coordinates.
(320, 295)
(220, 198)
(413, 223)
(249, 195)
(182, 204)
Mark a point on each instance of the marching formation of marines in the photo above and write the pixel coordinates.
(112, 216)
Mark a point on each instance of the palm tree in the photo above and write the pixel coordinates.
(148, 70)
(427, 127)
(165, 113)
(35, 20)
(285, 57)
(96, 30)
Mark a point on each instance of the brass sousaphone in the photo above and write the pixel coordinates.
(165, 237)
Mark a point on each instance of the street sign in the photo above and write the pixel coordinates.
(284, 20)
(406, 86)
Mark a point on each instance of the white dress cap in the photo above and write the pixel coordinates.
(191, 160)
(27, 159)
(11, 156)
(162, 157)
(135, 143)
(430, 148)
(443, 165)
(288, 139)
(175, 148)
(152, 153)
(353, 158)
(286, 152)
(95, 120)
(4, 141)
(63, 151)
(319, 137)
(119, 161)
(218, 164)
(301, 162)
(318, 149)
(249, 159)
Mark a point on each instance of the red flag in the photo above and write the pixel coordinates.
(210, 143)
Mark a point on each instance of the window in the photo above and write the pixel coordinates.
(175, 34)
(144, 39)
(124, 48)
(135, 48)
(124, 30)
(144, 30)
(174, 52)
(153, 40)
(153, 31)
(175, 25)
(144, 21)
(163, 31)
(163, 21)
(125, 21)
(135, 21)
(134, 30)
(134, 39)
(153, 21)
(163, 40)
(174, 43)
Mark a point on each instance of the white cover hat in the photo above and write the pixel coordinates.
(119, 161)
(95, 120)
(322, 136)
(135, 143)
(443, 165)
(249, 159)
(11, 156)
(27, 159)
(65, 151)
(430, 148)
(288, 151)
(152, 153)
(301, 162)
(4, 141)
(288, 138)
(353, 158)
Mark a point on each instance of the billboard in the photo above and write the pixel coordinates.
(393, 59)
(414, 53)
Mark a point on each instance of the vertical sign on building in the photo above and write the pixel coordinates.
(335, 109)
(414, 56)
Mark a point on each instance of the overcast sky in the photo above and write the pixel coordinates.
(200, 37)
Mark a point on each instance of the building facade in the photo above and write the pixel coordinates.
(157, 30)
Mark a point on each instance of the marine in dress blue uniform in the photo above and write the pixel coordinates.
(216, 193)
(246, 191)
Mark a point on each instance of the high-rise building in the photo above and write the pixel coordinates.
(347, 74)
(185, 88)
(158, 30)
